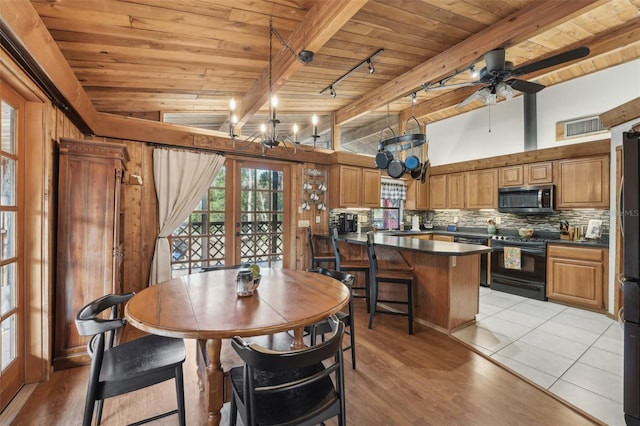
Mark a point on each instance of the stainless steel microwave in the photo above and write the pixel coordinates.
(526, 199)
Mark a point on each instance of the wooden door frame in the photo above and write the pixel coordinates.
(233, 165)
(37, 241)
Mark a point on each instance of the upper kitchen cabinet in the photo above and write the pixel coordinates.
(417, 195)
(482, 189)
(455, 191)
(583, 182)
(352, 186)
(447, 191)
(526, 174)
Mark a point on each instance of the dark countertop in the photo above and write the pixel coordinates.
(406, 242)
(583, 243)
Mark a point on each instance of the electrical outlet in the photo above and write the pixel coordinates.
(363, 218)
(455, 219)
(498, 220)
(317, 219)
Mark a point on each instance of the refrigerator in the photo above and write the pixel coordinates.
(630, 220)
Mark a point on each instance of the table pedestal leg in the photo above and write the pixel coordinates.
(298, 335)
(211, 378)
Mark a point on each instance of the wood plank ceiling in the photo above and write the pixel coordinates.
(184, 59)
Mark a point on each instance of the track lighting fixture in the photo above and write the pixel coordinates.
(370, 66)
(269, 136)
(368, 61)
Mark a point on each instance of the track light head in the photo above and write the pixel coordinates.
(370, 66)
(332, 92)
(473, 71)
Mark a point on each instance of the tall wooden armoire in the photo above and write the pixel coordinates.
(89, 238)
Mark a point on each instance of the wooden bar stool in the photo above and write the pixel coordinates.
(390, 276)
(318, 258)
(352, 265)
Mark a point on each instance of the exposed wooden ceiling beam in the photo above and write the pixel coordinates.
(621, 114)
(322, 21)
(525, 23)
(629, 33)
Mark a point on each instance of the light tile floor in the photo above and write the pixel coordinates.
(573, 353)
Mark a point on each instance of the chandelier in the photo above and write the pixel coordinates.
(269, 136)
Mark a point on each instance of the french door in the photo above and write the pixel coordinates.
(261, 216)
(12, 355)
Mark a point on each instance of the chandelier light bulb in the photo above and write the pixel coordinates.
(274, 106)
(314, 121)
(232, 104)
(295, 132)
(263, 128)
(234, 119)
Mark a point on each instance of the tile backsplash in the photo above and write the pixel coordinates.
(549, 222)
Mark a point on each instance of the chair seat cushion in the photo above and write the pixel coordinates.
(298, 402)
(140, 357)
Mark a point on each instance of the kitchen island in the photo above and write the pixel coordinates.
(447, 275)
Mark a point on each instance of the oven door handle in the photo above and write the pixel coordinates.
(524, 250)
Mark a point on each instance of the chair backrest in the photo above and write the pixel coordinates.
(221, 267)
(334, 242)
(293, 372)
(89, 324)
(344, 277)
(310, 243)
(371, 253)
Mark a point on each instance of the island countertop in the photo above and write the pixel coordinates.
(408, 242)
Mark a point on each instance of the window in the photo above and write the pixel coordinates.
(200, 240)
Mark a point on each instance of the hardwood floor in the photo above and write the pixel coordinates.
(424, 379)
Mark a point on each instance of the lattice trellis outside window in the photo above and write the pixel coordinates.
(200, 240)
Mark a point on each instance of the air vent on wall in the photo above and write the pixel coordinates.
(583, 127)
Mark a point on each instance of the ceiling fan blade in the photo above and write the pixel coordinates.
(475, 95)
(525, 86)
(450, 86)
(561, 58)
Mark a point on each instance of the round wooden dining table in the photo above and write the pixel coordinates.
(205, 307)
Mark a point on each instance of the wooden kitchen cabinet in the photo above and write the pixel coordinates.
(455, 191)
(89, 238)
(438, 192)
(417, 195)
(526, 174)
(352, 186)
(577, 275)
(583, 182)
(437, 237)
(447, 191)
(482, 189)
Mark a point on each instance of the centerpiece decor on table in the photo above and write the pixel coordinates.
(248, 280)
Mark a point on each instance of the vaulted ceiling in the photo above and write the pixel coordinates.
(183, 60)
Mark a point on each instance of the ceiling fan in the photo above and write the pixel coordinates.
(499, 76)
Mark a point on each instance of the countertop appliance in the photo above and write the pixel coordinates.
(347, 222)
(525, 274)
(484, 257)
(526, 199)
(631, 276)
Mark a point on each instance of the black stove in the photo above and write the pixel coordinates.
(517, 240)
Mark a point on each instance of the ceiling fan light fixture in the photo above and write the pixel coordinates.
(504, 90)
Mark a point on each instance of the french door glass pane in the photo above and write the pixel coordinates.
(7, 184)
(7, 235)
(9, 338)
(7, 287)
(8, 128)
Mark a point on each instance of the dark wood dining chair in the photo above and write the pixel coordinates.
(116, 370)
(396, 277)
(323, 327)
(352, 265)
(289, 387)
(318, 258)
